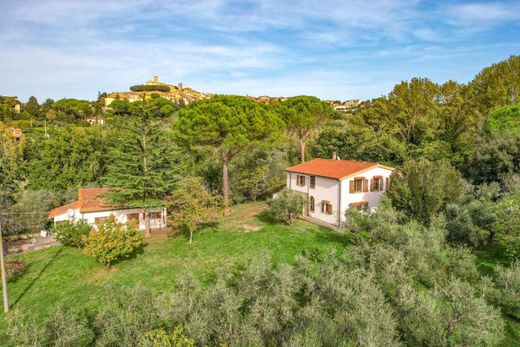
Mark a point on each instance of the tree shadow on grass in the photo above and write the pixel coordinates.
(267, 217)
(42, 271)
(329, 236)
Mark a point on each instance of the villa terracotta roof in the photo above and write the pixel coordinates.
(63, 209)
(338, 169)
(89, 200)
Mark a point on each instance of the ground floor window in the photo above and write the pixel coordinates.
(99, 220)
(359, 205)
(133, 217)
(326, 207)
(311, 204)
(155, 215)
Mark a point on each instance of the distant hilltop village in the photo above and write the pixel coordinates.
(177, 94)
(185, 95)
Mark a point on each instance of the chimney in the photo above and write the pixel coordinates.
(334, 155)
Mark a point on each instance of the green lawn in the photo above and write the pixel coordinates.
(62, 275)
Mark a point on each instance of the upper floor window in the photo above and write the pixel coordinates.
(313, 181)
(300, 180)
(377, 184)
(358, 185)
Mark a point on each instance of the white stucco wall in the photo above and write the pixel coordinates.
(325, 189)
(121, 216)
(372, 198)
(329, 189)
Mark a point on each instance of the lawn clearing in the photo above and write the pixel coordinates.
(64, 276)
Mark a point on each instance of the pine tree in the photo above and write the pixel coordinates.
(143, 165)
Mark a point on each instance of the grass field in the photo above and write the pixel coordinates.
(63, 275)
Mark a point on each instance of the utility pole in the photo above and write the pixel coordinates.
(4, 275)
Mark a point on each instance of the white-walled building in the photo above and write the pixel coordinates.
(92, 207)
(331, 186)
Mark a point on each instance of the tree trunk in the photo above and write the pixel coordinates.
(147, 227)
(302, 150)
(191, 236)
(225, 182)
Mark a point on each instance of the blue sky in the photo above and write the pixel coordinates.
(331, 49)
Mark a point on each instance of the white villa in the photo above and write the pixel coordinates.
(331, 186)
(93, 208)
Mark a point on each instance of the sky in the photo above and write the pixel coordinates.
(350, 49)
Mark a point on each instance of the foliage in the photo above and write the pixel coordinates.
(191, 204)
(160, 338)
(71, 234)
(71, 109)
(287, 206)
(11, 166)
(112, 241)
(505, 120)
(149, 88)
(497, 85)
(63, 328)
(493, 158)
(507, 281)
(421, 188)
(303, 115)
(228, 125)
(70, 157)
(507, 227)
(143, 165)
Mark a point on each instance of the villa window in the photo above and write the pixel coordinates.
(311, 204)
(155, 215)
(300, 179)
(377, 184)
(99, 220)
(362, 205)
(326, 207)
(313, 181)
(358, 185)
(133, 217)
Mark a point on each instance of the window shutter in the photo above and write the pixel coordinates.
(387, 183)
(351, 186)
(365, 185)
(372, 185)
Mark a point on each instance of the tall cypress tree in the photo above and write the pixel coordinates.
(144, 166)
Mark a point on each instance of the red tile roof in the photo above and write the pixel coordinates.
(63, 209)
(89, 200)
(338, 169)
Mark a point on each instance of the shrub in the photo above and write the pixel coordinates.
(508, 284)
(128, 313)
(112, 241)
(160, 338)
(287, 206)
(63, 328)
(14, 268)
(71, 234)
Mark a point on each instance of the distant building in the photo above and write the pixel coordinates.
(177, 94)
(16, 133)
(93, 208)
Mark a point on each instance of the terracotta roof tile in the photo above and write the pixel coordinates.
(63, 209)
(338, 169)
(89, 200)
